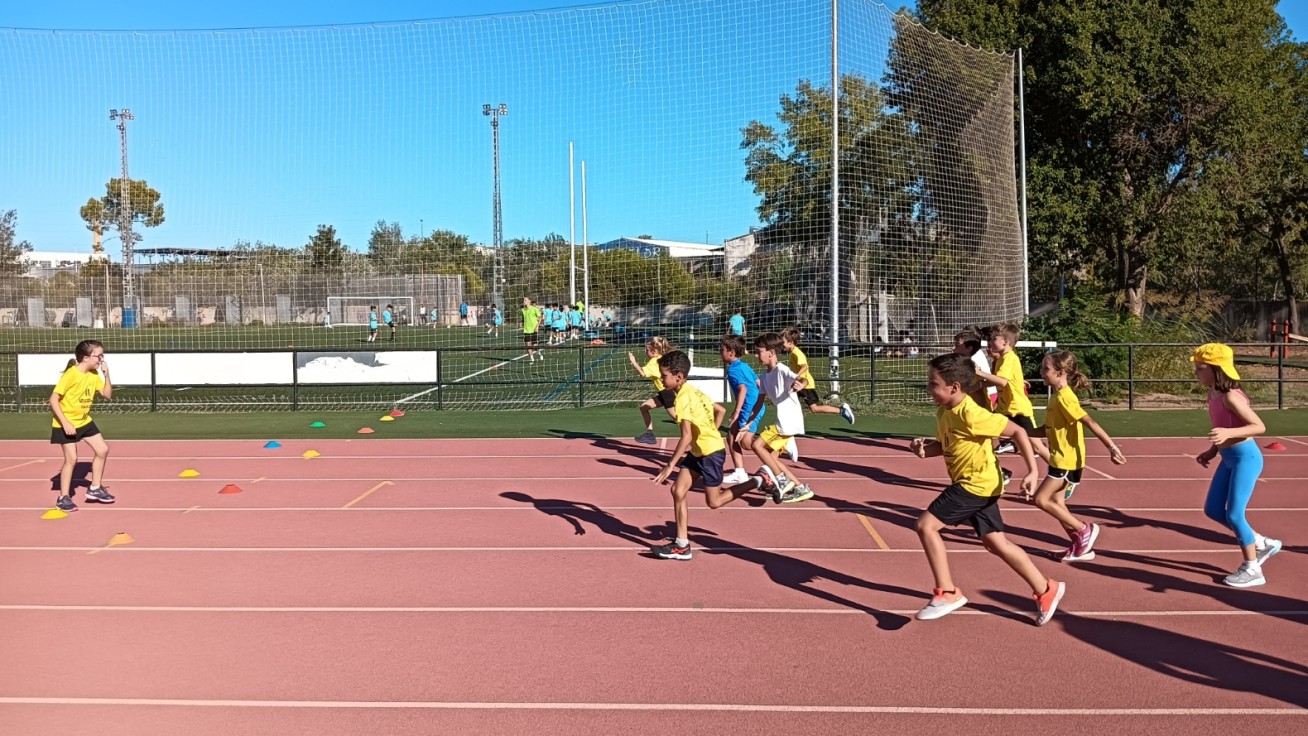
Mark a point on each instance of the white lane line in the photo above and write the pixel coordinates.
(407, 399)
(610, 609)
(1291, 439)
(675, 707)
(879, 478)
(29, 462)
(1100, 472)
(812, 508)
(136, 549)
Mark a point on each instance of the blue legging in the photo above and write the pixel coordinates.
(1232, 486)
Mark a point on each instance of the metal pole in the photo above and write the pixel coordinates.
(125, 210)
(497, 227)
(1021, 117)
(585, 242)
(572, 232)
(835, 198)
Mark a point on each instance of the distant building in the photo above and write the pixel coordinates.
(739, 252)
(696, 257)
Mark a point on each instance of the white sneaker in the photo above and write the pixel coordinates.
(1270, 547)
(735, 477)
(792, 449)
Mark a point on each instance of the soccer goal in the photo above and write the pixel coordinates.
(353, 310)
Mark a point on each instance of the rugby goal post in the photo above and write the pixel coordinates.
(353, 310)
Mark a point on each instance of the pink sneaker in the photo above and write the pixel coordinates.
(1083, 548)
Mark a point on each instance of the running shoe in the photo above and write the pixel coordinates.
(1269, 547)
(776, 487)
(671, 551)
(1247, 575)
(846, 413)
(1085, 542)
(735, 477)
(65, 504)
(797, 494)
(1008, 476)
(942, 604)
(1005, 447)
(647, 438)
(98, 495)
(1047, 602)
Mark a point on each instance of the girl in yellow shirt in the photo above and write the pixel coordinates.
(1064, 420)
(70, 403)
(655, 348)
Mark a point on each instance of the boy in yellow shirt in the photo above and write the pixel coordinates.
(798, 363)
(700, 453)
(963, 435)
(1007, 377)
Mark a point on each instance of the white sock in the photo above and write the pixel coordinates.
(681, 542)
(1253, 565)
(1259, 540)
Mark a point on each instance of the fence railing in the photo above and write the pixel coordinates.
(1136, 375)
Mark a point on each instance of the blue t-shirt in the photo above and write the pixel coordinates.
(463, 310)
(372, 320)
(740, 374)
(574, 318)
(386, 316)
(737, 324)
(499, 318)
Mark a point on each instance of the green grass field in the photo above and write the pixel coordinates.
(482, 372)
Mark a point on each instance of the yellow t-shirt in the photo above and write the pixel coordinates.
(651, 371)
(1012, 398)
(797, 361)
(696, 407)
(76, 392)
(1064, 431)
(964, 433)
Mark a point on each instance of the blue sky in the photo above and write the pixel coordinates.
(262, 135)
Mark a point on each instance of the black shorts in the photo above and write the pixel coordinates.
(57, 436)
(529, 337)
(954, 506)
(809, 396)
(709, 467)
(667, 398)
(1073, 477)
(1024, 422)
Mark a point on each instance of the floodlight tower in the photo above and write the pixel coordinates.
(125, 210)
(497, 228)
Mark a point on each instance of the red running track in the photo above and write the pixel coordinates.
(502, 586)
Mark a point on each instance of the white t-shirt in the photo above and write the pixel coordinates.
(790, 413)
(982, 364)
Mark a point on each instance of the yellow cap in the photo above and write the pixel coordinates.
(1215, 353)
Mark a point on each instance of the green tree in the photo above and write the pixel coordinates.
(12, 249)
(324, 250)
(1134, 110)
(386, 246)
(106, 212)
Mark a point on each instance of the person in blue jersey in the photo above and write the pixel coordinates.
(388, 319)
(736, 324)
(742, 382)
(372, 323)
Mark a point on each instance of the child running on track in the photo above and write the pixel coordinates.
(798, 363)
(963, 434)
(655, 348)
(781, 386)
(743, 383)
(1064, 418)
(1234, 426)
(70, 402)
(699, 452)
